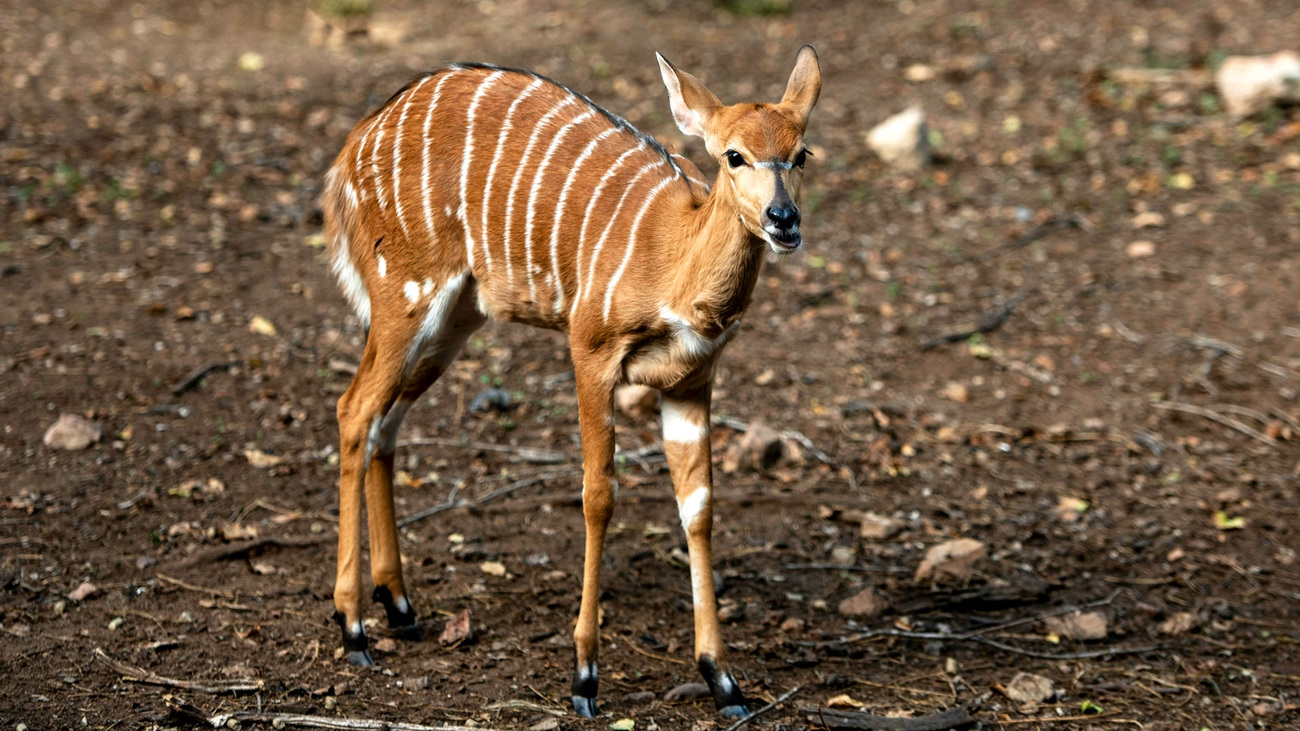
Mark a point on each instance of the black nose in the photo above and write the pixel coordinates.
(783, 217)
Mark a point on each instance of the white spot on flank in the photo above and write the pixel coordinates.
(397, 154)
(412, 291)
(591, 205)
(532, 197)
(514, 188)
(678, 427)
(559, 210)
(496, 159)
(426, 288)
(631, 243)
(467, 155)
(691, 507)
(427, 145)
(613, 217)
(383, 266)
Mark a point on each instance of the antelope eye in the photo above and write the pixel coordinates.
(734, 158)
(801, 158)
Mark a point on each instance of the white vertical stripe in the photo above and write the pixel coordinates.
(514, 188)
(374, 158)
(559, 214)
(397, 154)
(468, 153)
(631, 242)
(532, 196)
(361, 148)
(591, 205)
(492, 169)
(613, 217)
(426, 145)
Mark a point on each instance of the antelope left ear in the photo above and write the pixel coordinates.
(805, 83)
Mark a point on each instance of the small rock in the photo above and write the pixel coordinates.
(878, 527)
(1084, 627)
(456, 629)
(1149, 219)
(793, 625)
(72, 432)
(638, 402)
(83, 592)
(547, 724)
(261, 326)
(251, 61)
(955, 391)
(761, 444)
(731, 612)
(864, 604)
(1140, 249)
(491, 399)
(1251, 84)
(493, 568)
(687, 692)
(903, 140)
(1029, 689)
(418, 683)
(843, 556)
(262, 460)
(639, 697)
(387, 644)
(954, 558)
(919, 72)
(1180, 623)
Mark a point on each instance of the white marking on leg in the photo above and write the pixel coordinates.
(492, 169)
(691, 507)
(350, 281)
(427, 145)
(678, 427)
(412, 291)
(403, 606)
(631, 243)
(383, 266)
(514, 188)
(586, 216)
(559, 212)
(600, 243)
(436, 317)
(537, 184)
(355, 629)
(465, 157)
(397, 154)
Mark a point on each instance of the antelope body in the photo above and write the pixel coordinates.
(480, 191)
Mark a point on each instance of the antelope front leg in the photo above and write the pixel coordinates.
(596, 419)
(686, 444)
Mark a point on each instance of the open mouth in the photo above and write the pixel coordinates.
(783, 241)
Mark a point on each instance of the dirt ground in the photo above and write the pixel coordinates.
(159, 190)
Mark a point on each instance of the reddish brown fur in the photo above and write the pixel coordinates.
(442, 211)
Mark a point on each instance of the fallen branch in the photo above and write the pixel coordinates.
(452, 502)
(1190, 77)
(987, 324)
(1217, 418)
(241, 549)
(790, 434)
(193, 587)
(948, 637)
(282, 720)
(784, 697)
(1046, 227)
(941, 721)
(531, 455)
(193, 380)
(215, 687)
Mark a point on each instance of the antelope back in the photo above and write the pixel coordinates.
(528, 185)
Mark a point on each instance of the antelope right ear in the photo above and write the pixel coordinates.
(692, 102)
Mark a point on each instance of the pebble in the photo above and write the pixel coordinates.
(1140, 249)
(903, 140)
(639, 697)
(72, 432)
(1027, 688)
(687, 692)
(864, 604)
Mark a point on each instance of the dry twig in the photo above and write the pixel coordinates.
(784, 697)
(941, 721)
(193, 380)
(1217, 418)
(282, 720)
(243, 548)
(451, 501)
(214, 687)
(531, 455)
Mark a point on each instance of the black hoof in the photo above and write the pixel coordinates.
(584, 707)
(361, 658)
(734, 712)
(411, 632)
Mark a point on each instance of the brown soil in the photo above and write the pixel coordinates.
(157, 197)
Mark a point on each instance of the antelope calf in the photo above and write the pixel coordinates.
(483, 192)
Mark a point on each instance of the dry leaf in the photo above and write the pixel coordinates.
(456, 630)
(262, 460)
(954, 558)
(844, 700)
(493, 568)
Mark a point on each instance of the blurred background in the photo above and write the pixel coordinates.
(1041, 351)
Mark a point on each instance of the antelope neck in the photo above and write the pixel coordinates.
(713, 262)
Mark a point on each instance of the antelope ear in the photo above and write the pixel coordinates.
(805, 83)
(691, 101)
